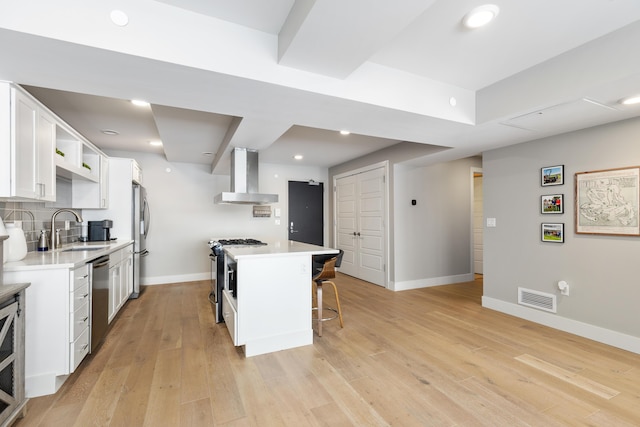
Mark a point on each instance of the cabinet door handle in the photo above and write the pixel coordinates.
(84, 347)
(85, 319)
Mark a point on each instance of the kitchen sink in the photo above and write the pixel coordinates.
(83, 248)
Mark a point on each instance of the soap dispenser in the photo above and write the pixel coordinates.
(42, 241)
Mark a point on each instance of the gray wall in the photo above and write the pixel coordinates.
(603, 271)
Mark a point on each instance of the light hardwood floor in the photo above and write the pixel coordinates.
(427, 357)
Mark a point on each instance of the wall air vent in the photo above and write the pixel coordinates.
(536, 299)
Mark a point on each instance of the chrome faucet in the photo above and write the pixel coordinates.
(53, 222)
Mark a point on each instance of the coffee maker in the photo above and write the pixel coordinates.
(100, 231)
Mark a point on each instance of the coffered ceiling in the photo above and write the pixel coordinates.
(284, 76)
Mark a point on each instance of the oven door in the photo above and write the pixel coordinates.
(217, 282)
(231, 276)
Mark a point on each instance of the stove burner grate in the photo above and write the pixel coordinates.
(240, 242)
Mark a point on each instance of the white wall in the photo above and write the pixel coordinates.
(184, 217)
(603, 271)
(433, 239)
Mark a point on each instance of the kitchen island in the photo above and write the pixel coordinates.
(271, 310)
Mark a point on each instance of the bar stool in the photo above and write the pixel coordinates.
(325, 265)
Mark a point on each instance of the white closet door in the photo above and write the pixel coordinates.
(360, 201)
(347, 223)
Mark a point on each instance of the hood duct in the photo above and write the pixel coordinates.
(244, 180)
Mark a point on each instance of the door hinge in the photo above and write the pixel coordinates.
(384, 268)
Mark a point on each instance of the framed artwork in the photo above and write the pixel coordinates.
(552, 175)
(552, 204)
(553, 233)
(607, 202)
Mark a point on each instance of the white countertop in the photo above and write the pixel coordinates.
(60, 258)
(278, 248)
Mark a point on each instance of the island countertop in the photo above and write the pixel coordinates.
(278, 248)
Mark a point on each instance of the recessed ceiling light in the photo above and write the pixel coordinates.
(480, 16)
(631, 100)
(110, 132)
(344, 132)
(119, 18)
(298, 157)
(155, 143)
(453, 101)
(139, 103)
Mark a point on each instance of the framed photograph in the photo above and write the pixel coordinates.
(552, 204)
(607, 202)
(553, 233)
(552, 175)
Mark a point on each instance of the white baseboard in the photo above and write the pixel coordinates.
(435, 281)
(596, 333)
(163, 280)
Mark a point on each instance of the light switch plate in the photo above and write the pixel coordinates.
(491, 222)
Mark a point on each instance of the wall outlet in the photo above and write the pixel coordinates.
(67, 225)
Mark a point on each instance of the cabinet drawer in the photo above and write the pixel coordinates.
(230, 316)
(79, 297)
(80, 276)
(78, 350)
(79, 322)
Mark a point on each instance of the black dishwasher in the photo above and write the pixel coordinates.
(99, 300)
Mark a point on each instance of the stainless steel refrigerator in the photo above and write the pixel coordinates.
(141, 218)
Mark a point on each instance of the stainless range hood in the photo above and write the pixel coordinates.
(244, 181)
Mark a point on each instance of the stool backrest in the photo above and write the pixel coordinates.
(328, 270)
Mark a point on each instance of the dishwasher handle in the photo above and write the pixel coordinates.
(100, 262)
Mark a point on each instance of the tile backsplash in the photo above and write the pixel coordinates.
(36, 216)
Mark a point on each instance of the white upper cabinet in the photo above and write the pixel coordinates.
(27, 134)
(46, 170)
(37, 147)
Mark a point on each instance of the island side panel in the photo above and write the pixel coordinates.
(274, 302)
(46, 328)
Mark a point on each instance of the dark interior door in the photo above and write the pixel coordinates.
(305, 212)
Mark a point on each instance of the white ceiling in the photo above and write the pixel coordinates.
(284, 76)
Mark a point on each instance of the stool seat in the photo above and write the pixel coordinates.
(323, 276)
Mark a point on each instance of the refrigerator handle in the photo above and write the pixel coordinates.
(146, 217)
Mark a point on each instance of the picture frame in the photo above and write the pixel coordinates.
(552, 204)
(552, 232)
(607, 202)
(552, 175)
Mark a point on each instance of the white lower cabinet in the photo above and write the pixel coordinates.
(230, 315)
(56, 325)
(120, 279)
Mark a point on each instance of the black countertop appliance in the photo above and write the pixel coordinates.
(100, 231)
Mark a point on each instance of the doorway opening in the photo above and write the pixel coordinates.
(477, 218)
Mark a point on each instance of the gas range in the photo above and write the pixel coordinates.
(222, 273)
